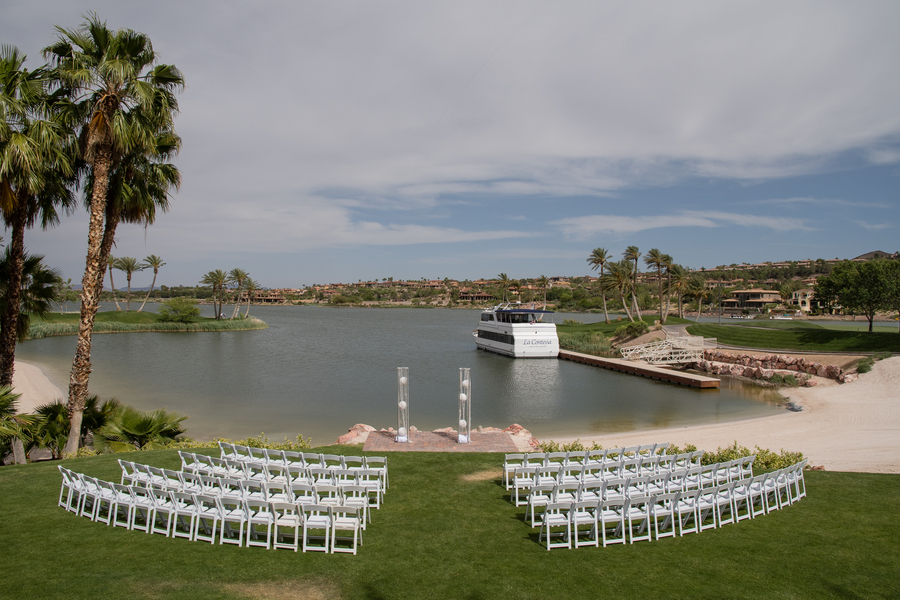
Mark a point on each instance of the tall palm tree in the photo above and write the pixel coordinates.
(504, 283)
(106, 75)
(633, 254)
(654, 259)
(36, 176)
(679, 285)
(112, 284)
(544, 282)
(699, 290)
(251, 287)
(238, 277)
(155, 263)
(668, 265)
(129, 265)
(618, 279)
(38, 287)
(598, 259)
(216, 280)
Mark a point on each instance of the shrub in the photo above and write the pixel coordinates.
(865, 365)
(585, 342)
(572, 322)
(178, 310)
(881, 355)
(576, 446)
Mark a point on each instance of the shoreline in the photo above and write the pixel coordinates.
(842, 427)
(36, 389)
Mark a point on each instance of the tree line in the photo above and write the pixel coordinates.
(864, 288)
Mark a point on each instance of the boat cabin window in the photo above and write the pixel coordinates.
(487, 317)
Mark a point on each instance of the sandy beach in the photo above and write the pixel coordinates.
(842, 427)
(35, 387)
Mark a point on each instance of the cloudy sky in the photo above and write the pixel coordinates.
(337, 141)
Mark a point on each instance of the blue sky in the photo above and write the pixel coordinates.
(338, 141)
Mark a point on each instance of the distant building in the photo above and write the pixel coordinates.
(754, 299)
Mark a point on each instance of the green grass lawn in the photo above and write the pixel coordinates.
(441, 536)
(785, 335)
(607, 329)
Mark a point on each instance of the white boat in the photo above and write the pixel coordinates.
(515, 331)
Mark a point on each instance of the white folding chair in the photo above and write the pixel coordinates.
(637, 517)
(233, 517)
(662, 514)
(556, 515)
(687, 508)
(316, 517)
(584, 514)
(287, 516)
(184, 515)
(260, 520)
(611, 521)
(209, 513)
(345, 518)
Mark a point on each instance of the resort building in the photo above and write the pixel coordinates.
(754, 299)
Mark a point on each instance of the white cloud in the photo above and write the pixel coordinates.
(585, 227)
(874, 226)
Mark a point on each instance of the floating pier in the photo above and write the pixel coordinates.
(642, 369)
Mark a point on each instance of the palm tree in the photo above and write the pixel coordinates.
(36, 168)
(598, 259)
(701, 292)
(155, 263)
(544, 283)
(238, 277)
(654, 258)
(38, 288)
(504, 283)
(633, 254)
(216, 280)
(112, 265)
(131, 429)
(667, 264)
(129, 265)
(618, 279)
(252, 286)
(680, 284)
(14, 428)
(106, 75)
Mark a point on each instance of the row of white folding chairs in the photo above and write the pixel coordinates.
(274, 470)
(308, 459)
(591, 522)
(137, 474)
(181, 514)
(524, 478)
(674, 481)
(615, 460)
(363, 492)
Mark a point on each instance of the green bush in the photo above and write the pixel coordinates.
(585, 342)
(865, 365)
(178, 310)
(576, 446)
(881, 355)
(572, 322)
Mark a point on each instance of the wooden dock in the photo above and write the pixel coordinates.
(643, 369)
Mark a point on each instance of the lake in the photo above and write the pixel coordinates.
(319, 370)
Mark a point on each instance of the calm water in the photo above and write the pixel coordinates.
(318, 370)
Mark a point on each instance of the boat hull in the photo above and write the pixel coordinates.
(533, 342)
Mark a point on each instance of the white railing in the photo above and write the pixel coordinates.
(680, 349)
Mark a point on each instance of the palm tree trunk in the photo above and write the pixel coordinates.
(128, 295)
(113, 286)
(152, 284)
(625, 306)
(10, 318)
(90, 298)
(605, 313)
(699, 310)
(668, 294)
(247, 312)
(237, 303)
(662, 321)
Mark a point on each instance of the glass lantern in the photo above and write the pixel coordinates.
(465, 406)
(403, 404)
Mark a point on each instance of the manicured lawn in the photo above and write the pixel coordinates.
(802, 336)
(607, 329)
(55, 324)
(441, 536)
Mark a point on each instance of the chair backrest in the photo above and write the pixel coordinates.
(311, 459)
(226, 450)
(345, 512)
(277, 491)
(293, 457)
(252, 489)
(190, 482)
(535, 459)
(353, 462)
(304, 493)
(275, 457)
(286, 511)
(257, 454)
(332, 461)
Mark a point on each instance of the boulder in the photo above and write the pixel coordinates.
(749, 372)
(849, 377)
(822, 371)
(810, 382)
(356, 434)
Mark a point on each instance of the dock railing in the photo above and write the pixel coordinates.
(675, 350)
